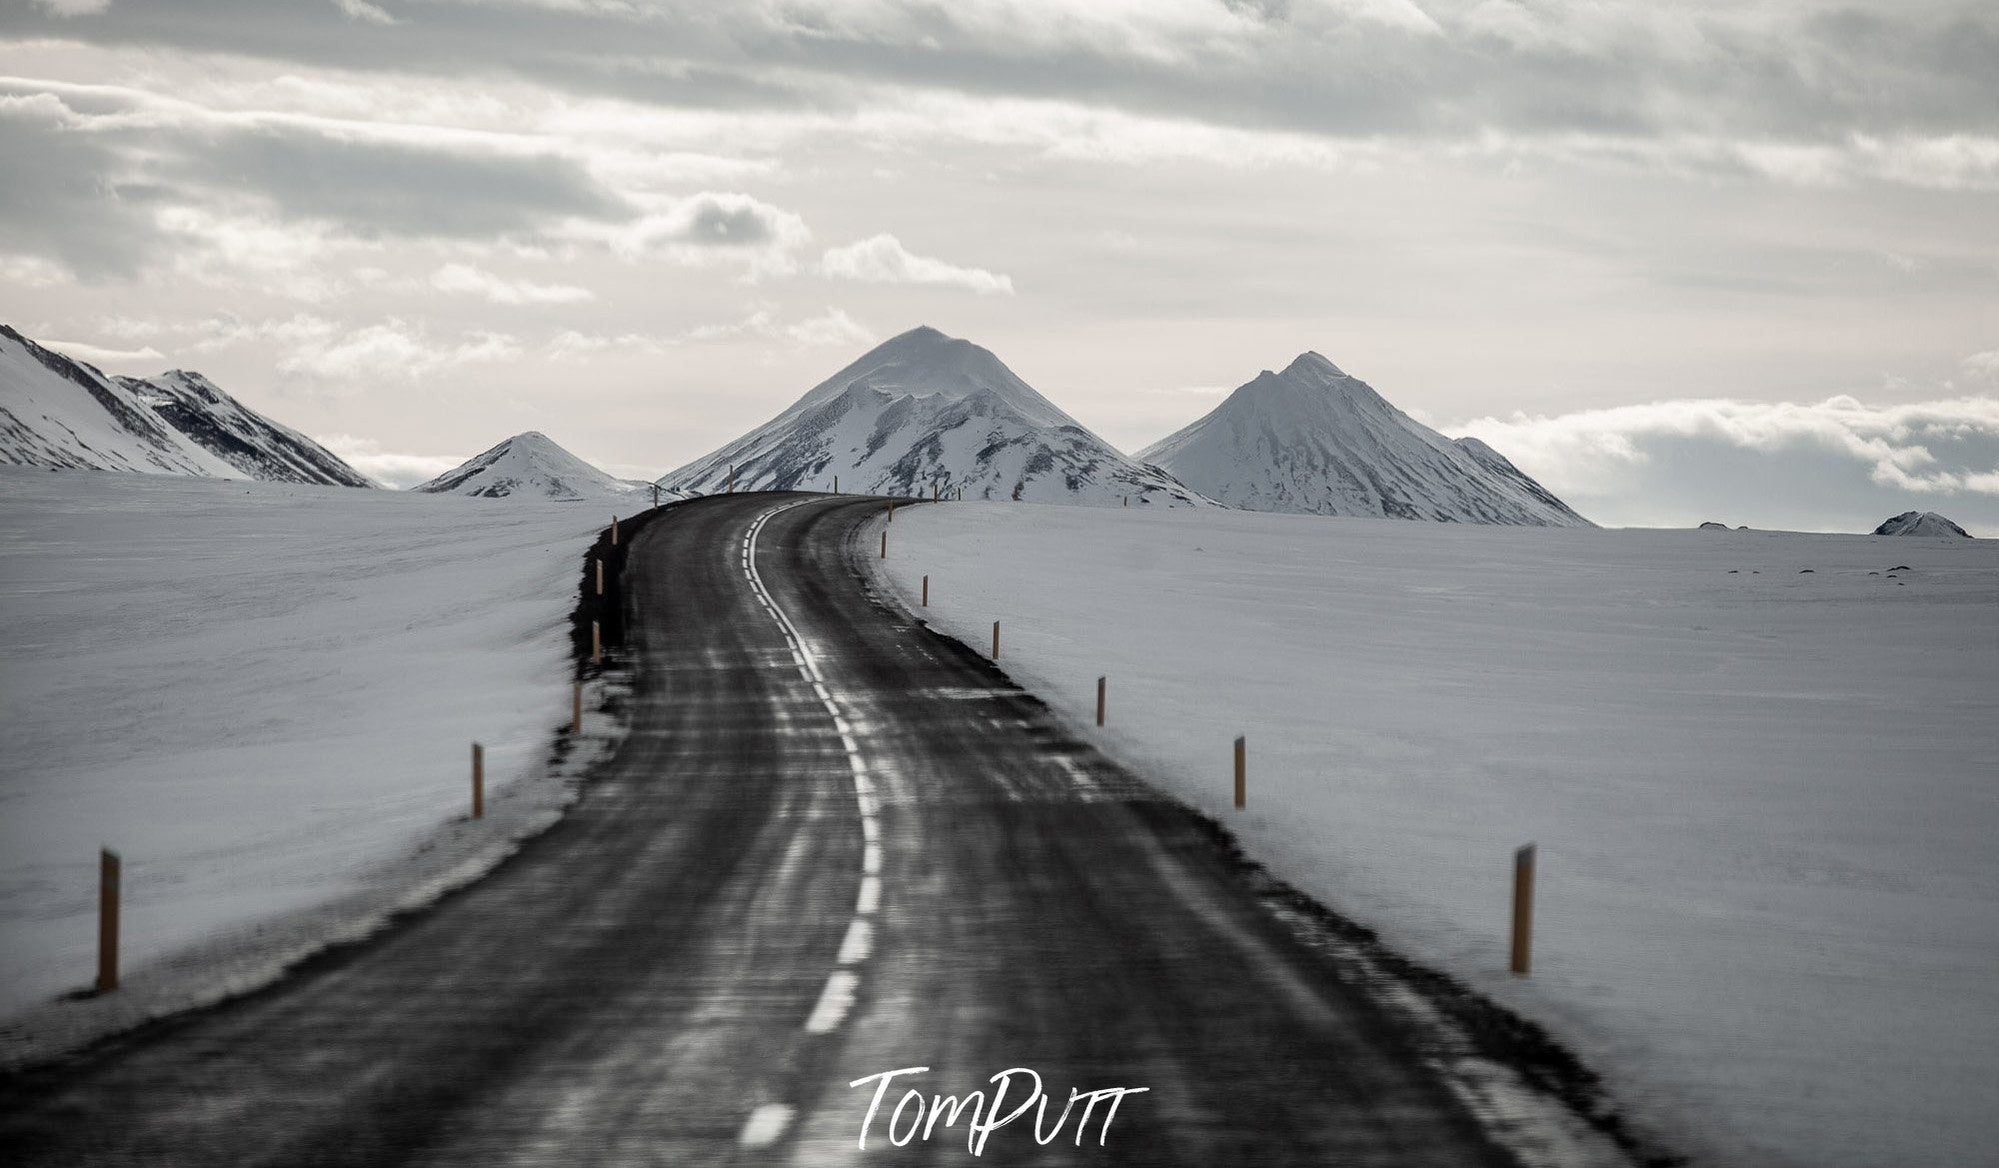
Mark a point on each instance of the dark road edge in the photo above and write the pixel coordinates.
(1475, 1025)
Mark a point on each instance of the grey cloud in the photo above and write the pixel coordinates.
(719, 225)
(1836, 465)
(1626, 69)
(374, 188)
(62, 195)
(85, 186)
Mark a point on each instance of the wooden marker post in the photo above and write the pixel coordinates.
(1100, 701)
(600, 577)
(478, 781)
(926, 592)
(596, 643)
(884, 545)
(836, 484)
(891, 510)
(614, 528)
(934, 489)
(732, 478)
(1241, 773)
(1523, 910)
(109, 875)
(996, 640)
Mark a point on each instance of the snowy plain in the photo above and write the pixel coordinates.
(1766, 799)
(262, 695)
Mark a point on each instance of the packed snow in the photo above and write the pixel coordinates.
(1316, 440)
(924, 414)
(263, 696)
(534, 466)
(56, 411)
(1758, 766)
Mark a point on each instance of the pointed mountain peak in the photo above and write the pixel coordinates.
(924, 412)
(926, 363)
(528, 465)
(1310, 362)
(1310, 382)
(1314, 439)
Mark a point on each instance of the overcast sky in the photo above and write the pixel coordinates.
(1700, 260)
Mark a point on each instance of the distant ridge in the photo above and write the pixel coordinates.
(60, 412)
(1314, 440)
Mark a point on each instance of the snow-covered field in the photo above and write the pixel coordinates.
(1766, 800)
(262, 695)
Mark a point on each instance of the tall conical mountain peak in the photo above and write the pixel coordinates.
(925, 413)
(1314, 439)
(1311, 361)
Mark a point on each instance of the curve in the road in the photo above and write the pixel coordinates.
(813, 786)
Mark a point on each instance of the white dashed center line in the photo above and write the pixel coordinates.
(768, 1123)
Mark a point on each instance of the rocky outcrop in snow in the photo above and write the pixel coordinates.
(925, 412)
(532, 466)
(1312, 439)
(1921, 523)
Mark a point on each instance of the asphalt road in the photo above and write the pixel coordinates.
(833, 846)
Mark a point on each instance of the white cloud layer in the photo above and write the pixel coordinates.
(334, 358)
(1835, 465)
(73, 7)
(114, 360)
(881, 259)
(363, 11)
(472, 281)
(401, 471)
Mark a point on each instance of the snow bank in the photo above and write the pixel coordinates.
(1764, 797)
(263, 696)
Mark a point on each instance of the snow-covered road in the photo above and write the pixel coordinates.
(1759, 767)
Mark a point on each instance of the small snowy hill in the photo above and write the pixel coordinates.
(59, 412)
(924, 411)
(1311, 439)
(532, 466)
(1921, 523)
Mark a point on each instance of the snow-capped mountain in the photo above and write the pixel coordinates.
(925, 412)
(245, 439)
(532, 466)
(1921, 523)
(1312, 439)
(60, 412)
